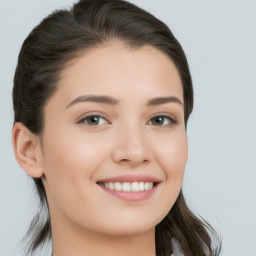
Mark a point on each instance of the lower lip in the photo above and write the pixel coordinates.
(131, 196)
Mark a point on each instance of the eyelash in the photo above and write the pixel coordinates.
(170, 119)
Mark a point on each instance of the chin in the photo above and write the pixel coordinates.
(129, 228)
(129, 232)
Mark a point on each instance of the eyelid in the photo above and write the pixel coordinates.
(171, 117)
(89, 114)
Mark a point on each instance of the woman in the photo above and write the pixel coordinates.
(102, 94)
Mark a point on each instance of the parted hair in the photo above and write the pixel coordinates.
(68, 33)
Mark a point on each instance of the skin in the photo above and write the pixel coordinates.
(71, 157)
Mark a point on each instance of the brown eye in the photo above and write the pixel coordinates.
(93, 120)
(162, 121)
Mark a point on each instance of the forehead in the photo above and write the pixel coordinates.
(121, 72)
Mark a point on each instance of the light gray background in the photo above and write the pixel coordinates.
(219, 39)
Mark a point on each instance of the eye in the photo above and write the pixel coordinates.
(93, 120)
(162, 120)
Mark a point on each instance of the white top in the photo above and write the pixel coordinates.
(176, 248)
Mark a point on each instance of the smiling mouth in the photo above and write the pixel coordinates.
(137, 186)
(130, 187)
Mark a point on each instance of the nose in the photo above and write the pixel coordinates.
(132, 147)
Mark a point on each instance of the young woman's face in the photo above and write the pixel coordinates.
(116, 122)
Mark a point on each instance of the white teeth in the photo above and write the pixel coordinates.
(111, 186)
(127, 186)
(141, 186)
(118, 186)
(135, 186)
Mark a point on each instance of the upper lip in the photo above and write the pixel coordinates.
(130, 178)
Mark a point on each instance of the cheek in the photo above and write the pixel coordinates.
(173, 161)
(73, 152)
(173, 155)
(69, 163)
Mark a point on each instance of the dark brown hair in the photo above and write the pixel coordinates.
(66, 34)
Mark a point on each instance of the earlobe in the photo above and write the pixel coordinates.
(25, 145)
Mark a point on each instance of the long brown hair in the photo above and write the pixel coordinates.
(62, 36)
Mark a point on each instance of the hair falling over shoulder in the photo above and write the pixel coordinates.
(59, 38)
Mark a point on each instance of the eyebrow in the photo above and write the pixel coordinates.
(112, 101)
(163, 100)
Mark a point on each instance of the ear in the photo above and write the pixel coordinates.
(27, 150)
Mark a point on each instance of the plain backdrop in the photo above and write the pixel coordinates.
(219, 39)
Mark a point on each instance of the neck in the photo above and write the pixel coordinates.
(77, 242)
